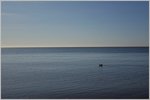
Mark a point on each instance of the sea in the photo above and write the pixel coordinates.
(74, 73)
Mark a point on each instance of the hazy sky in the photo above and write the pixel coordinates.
(86, 23)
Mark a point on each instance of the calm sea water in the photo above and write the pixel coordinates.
(74, 73)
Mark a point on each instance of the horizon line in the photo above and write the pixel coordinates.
(77, 47)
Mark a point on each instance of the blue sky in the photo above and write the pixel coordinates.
(74, 24)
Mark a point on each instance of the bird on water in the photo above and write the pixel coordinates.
(100, 65)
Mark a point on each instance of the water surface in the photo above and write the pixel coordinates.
(39, 73)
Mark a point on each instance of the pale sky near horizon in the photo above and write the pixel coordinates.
(74, 23)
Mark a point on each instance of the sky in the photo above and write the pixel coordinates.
(74, 23)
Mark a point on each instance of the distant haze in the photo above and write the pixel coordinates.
(75, 23)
